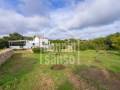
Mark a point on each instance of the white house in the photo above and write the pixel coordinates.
(38, 41)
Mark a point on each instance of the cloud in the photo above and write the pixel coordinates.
(68, 18)
(11, 21)
(98, 31)
(43, 7)
(86, 14)
(87, 33)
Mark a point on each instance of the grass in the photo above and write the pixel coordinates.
(66, 86)
(28, 71)
(1, 50)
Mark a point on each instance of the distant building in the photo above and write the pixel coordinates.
(37, 41)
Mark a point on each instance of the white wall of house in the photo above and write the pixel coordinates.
(29, 44)
(36, 42)
(15, 47)
(41, 42)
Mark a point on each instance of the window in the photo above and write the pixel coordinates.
(19, 43)
(33, 44)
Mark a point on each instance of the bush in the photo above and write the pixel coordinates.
(39, 50)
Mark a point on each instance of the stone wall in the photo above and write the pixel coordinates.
(5, 55)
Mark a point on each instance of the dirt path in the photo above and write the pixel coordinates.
(44, 83)
(94, 79)
(75, 81)
(79, 84)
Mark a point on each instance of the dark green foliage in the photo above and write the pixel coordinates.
(111, 42)
(3, 43)
(39, 50)
(13, 36)
(108, 43)
(57, 41)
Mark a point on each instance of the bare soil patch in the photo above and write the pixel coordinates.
(58, 67)
(79, 84)
(44, 83)
(99, 78)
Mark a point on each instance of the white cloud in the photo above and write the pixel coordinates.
(88, 13)
(87, 33)
(11, 21)
(86, 19)
(98, 31)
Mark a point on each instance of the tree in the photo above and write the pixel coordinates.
(3, 43)
(15, 36)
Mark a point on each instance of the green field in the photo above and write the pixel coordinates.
(97, 70)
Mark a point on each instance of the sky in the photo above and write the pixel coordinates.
(60, 19)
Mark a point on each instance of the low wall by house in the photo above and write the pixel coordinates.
(5, 55)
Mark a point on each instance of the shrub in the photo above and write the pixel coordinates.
(39, 50)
